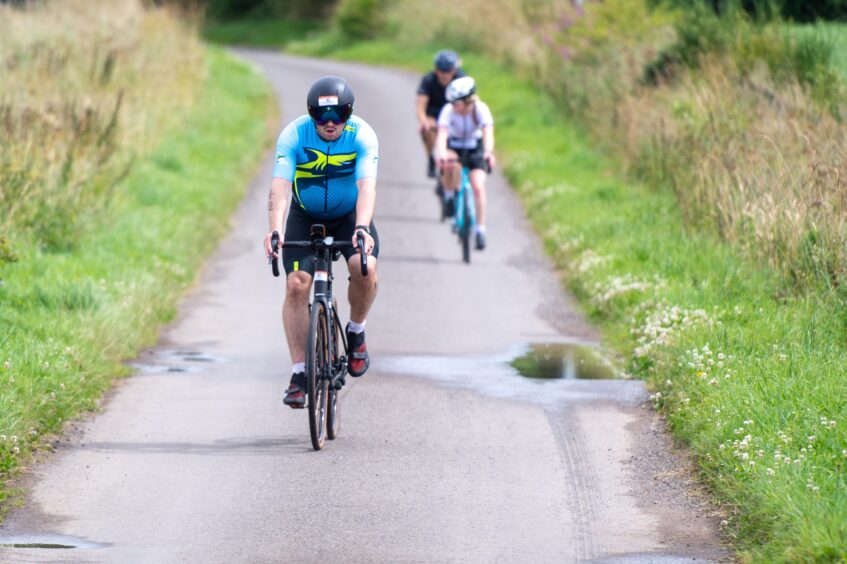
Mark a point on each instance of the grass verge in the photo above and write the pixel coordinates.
(749, 376)
(67, 320)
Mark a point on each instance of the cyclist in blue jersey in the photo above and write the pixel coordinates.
(465, 137)
(326, 165)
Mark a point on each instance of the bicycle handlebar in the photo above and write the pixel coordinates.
(360, 240)
(488, 167)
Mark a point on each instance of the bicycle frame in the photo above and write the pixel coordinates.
(327, 251)
(465, 192)
(325, 255)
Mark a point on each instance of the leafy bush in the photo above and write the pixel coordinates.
(797, 10)
(702, 33)
(285, 9)
(361, 19)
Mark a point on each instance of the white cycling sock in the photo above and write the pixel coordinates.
(354, 327)
(449, 194)
(480, 229)
(298, 367)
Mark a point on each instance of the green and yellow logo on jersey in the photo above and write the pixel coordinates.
(322, 165)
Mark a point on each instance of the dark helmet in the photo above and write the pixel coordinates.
(330, 98)
(446, 60)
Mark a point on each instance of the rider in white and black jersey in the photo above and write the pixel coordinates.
(465, 136)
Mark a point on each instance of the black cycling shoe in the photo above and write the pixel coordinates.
(295, 395)
(480, 240)
(430, 169)
(359, 361)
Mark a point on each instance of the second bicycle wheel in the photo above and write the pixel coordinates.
(317, 367)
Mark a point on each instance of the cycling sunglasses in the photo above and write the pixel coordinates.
(335, 114)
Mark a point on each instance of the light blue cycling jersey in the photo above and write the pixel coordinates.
(324, 173)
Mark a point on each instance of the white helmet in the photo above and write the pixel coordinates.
(460, 88)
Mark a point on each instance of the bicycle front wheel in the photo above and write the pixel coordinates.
(465, 230)
(317, 370)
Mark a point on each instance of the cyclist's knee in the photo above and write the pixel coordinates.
(355, 267)
(298, 285)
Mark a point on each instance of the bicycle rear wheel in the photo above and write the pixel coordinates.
(332, 414)
(465, 230)
(317, 367)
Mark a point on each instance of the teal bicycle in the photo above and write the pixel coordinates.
(464, 212)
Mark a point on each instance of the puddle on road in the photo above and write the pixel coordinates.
(545, 373)
(188, 356)
(162, 368)
(551, 361)
(170, 361)
(47, 542)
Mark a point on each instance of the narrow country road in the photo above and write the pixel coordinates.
(445, 453)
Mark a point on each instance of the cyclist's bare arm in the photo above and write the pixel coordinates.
(365, 204)
(488, 144)
(422, 101)
(277, 206)
(440, 149)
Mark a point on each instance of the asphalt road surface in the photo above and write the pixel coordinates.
(445, 453)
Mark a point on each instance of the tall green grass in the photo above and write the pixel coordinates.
(835, 35)
(86, 88)
(68, 319)
(743, 120)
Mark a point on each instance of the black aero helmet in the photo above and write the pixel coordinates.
(446, 60)
(330, 98)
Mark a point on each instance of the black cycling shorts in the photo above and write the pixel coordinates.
(471, 158)
(299, 228)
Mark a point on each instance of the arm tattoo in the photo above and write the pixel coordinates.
(270, 202)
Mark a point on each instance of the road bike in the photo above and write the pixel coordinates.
(326, 346)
